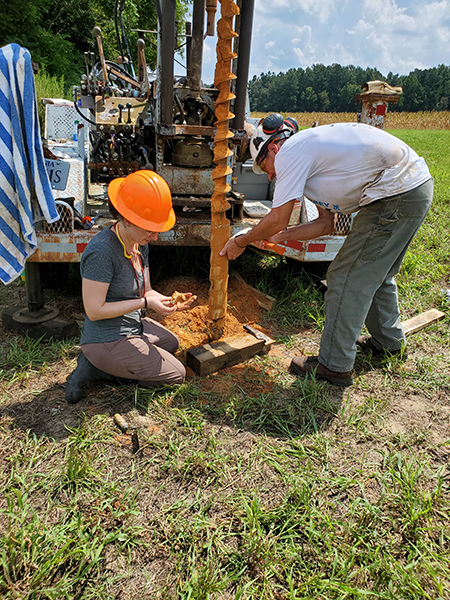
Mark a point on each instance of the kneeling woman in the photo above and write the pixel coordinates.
(117, 339)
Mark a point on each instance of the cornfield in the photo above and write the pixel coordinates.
(394, 120)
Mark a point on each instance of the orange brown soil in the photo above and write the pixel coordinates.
(193, 326)
(250, 378)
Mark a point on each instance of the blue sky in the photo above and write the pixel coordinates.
(391, 35)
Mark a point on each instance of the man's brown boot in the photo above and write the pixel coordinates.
(366, 344)
(301, 365)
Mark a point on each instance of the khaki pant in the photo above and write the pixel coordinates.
(147, 358)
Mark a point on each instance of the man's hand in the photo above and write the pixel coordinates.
(231, 249)
(323, 225)
(275, 220)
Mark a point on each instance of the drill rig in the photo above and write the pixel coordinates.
(192, 135)
(166, 122)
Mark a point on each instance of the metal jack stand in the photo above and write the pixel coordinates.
(36, 320)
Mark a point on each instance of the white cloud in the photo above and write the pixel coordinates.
(391, 35)
(362, 28)
(388, 14)
(321, 9)
(401, 41)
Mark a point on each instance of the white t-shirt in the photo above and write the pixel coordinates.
(344, 166)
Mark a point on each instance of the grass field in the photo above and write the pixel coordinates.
(246, 484)
(432, 120)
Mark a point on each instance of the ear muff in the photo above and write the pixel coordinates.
(272, 123)
(275, 122)
(272, 128)
(291, 122)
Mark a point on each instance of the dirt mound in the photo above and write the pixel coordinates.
(193, 326)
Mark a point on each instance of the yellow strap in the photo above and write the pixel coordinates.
(116, 231)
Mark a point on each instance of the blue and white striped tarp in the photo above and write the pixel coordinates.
(25, 191)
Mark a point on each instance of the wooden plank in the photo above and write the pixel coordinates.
(264, 300)
(210, 358)
(421, 321)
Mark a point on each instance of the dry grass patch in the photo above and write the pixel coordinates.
(394, 120)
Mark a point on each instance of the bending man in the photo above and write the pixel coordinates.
(345, 168)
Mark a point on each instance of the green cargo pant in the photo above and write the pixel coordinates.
(360, 281)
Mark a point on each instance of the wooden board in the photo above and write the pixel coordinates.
(212, 357)
(264, 300)
(421, 321)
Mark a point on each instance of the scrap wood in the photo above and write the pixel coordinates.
(209, 358)
(421, 321)
(264, 300)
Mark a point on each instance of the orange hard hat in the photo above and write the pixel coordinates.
(144, 199)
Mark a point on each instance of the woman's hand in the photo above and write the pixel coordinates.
(159, 303)
(163, 305)
(187, 303)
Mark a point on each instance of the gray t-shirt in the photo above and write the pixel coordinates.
(104, 260)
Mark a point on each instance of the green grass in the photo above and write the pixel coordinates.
(21, 356)
(425, 270)
(260, 519)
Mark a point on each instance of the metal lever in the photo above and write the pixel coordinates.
(129, 106)
(98, 34)
(120, 107)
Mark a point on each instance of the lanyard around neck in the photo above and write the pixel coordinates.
(135, 257)
(115, 228)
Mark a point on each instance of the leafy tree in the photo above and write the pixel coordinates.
(19, 22)
(309, 100)
(58, 32)
(334, 87)
(413, 98)
(324, 101)
(346, 98)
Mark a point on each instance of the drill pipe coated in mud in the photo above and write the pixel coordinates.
(220, 225)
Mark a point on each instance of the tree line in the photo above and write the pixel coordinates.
(333, 88)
